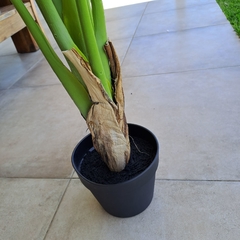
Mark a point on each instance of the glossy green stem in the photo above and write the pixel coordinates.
(92, 47)
(75, 89)
(101, 33)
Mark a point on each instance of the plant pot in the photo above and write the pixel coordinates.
(125, 199)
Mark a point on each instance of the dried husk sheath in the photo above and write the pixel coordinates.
(106, 119)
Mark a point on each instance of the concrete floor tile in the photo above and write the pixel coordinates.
(2, 92)
(74, 175)
(27, 206)
(125, 12)
(165, 5)
(7, 47)
(195, 115)
(179, 210)
(122, 28)
(40, 75)
(195, 210)
(181, 19)
(121, 47)
(14, 66)
(39, 129)
(193, 49)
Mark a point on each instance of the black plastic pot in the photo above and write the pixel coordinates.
(128, 198)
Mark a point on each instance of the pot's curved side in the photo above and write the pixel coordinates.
(125, 199)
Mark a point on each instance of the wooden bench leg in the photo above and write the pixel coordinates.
(24, 41)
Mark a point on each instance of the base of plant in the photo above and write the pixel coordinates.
(94, 169)
(129, 192)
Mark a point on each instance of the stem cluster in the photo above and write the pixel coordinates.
(78, 25)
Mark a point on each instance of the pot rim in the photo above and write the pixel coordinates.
(154, 161)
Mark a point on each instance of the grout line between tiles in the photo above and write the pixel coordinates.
(195, 180)
(184, 71)
(36, 86)
(127, 76)
(40, 178)
(183, 30)
(157, 179)
(170, 32)
(58, 206)
(134, 34)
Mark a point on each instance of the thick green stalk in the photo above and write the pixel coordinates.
(58, 6)
(76, 91)
(59, 31)
(72, 23)
(100, 33)
(57, 27)
(91, 44)
(89, 10)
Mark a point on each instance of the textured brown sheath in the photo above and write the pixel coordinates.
(106, 119)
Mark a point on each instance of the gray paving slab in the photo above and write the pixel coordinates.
(14, 66)
(194, 49)
(181, 19)
(195, 115)
(179, 210)
(27, 206)
(7, 47)
(40, 75)
(39, 128)
(123, 28)
(121, 46)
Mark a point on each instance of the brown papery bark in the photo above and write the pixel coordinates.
(106, 119)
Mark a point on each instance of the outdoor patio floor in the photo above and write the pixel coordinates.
(181, 75)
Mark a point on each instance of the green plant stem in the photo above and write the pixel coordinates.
(92, 47)
(100, 33)
(58, 6)
(72, 23)
(77, 92)
(59, 31)
(57, 27)
(89, 10)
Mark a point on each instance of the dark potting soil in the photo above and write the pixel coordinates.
(95, 170)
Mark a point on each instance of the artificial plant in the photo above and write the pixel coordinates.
(93, 77)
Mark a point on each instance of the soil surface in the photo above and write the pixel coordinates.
(94, 169)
